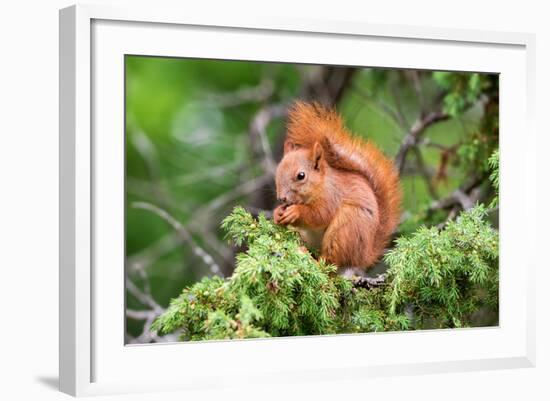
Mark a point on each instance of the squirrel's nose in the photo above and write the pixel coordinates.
(282, 200)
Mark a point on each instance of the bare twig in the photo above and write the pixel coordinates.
(457, 197)
(148, 153)
(430, 144)
(465, 197)
(155, 251)
(258, 127)
(140, 314)
(145, 298)
(147, 335)
(200, 224)
(182, 232)
(452, 214)
(411, 139)
(327, 85)
(417, 84)
(243, 189)
(369, 282)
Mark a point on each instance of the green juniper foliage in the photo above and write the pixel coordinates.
(434, 279)
(463, 89)
(446, 275)
(494, 166)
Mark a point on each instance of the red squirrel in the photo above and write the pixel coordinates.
(340, 192)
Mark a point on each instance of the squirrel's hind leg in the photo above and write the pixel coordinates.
(349, 239)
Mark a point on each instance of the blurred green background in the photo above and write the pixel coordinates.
(202, 136)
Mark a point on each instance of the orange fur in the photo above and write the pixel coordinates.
(355, 199)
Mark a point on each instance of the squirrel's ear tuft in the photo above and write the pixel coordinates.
(317, 155)
(288, 146)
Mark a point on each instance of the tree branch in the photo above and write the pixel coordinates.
(369, 282)
(145, 298)
(243, 189)
(258, 127)
(466, 196)
(182, 232)
(411, 139)
(140, 314)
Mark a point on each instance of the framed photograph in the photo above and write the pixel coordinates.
(266, 199)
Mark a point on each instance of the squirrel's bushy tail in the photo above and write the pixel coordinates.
(311, 122)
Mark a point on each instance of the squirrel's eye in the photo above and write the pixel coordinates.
(301, 175)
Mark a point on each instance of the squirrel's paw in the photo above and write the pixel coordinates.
(278, 213)
(288, 215)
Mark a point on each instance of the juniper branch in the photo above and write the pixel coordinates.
(437, 272)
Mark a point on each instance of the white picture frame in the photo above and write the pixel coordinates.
(93, 357)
